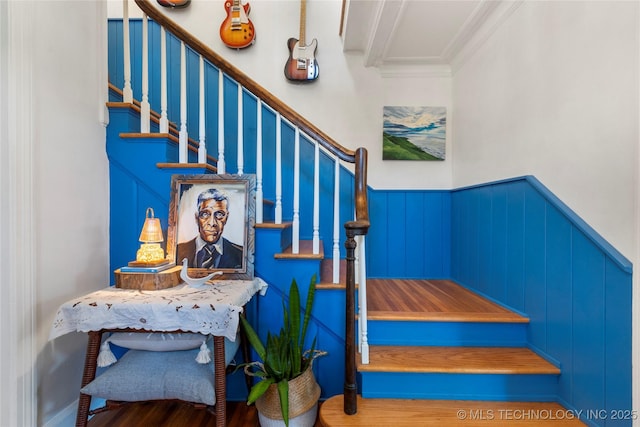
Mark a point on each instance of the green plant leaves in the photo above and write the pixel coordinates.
(258, 390)
(283, 392)
(283, 355)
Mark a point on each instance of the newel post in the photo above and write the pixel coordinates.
(359, 227)
(350, 386)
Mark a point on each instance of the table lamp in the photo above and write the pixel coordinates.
(150, 252)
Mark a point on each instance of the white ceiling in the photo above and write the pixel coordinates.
(395, 33)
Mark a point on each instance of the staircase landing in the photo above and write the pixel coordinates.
(450, 413)
(432, 300)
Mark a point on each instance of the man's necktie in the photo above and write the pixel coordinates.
(207, 257)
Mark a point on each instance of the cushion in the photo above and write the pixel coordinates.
(154, 375)
(157, 341)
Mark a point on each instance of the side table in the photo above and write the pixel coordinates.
(211, 310)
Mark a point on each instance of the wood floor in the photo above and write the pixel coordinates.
(445, 413)
(175, 414)
(439, 300)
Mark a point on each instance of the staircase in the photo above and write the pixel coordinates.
(442, 355)
(439, 354)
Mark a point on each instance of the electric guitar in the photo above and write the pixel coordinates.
(176, 4)
(237, 31)
(302, 65)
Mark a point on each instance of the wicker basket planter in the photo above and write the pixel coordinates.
(285, 369)
(304, 393)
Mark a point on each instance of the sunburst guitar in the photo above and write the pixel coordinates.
(174, 4)
(302, 65)
(237, 31)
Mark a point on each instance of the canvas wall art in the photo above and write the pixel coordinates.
(414, 133)
(211, 224)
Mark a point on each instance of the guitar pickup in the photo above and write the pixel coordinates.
(301, 64)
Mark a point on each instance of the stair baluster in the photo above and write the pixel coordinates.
(164, 118)
(336, 221)
(145, 108)
(259, 192)
(202, 147)
(127, 91)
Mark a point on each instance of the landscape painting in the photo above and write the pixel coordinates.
(414, 133)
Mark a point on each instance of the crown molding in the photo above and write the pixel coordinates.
(483, 25)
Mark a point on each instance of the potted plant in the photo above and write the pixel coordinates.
(287, 388)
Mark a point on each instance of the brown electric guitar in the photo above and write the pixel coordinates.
(302, 65)
(237, 31)
(175, 4)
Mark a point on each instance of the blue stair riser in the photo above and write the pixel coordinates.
(419, 333)
(462, 386)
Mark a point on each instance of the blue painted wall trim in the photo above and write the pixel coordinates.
(517, 243)
(410, 234)
(576, 220)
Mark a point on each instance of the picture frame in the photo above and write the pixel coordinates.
(192, 225)
(414, 133)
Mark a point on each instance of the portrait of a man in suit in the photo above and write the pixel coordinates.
(209, 249)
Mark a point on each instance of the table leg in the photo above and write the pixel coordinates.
(220, 381)
(246, 354)
(90, 365)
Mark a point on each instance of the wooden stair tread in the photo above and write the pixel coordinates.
(273, 225)
(305, 252)
(475, 360)
(447, 316)
(432, 300)
(463, 413)
(186, 166)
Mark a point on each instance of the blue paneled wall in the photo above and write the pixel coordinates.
(410, 234)
(516, 243)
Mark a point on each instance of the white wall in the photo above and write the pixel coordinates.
(61, 192)
(554, 93)
(347, 99)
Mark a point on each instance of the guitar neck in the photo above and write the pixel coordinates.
(303, 20)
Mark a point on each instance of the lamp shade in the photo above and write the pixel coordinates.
(151, 230)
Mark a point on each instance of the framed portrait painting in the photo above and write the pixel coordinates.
(211, 224)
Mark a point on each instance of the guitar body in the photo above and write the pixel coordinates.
(176, 4)
(302, 65)
(237, 31)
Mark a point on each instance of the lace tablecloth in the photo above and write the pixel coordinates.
(212, 310)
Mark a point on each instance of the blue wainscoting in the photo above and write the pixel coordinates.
(410, 234)
(518, 244)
